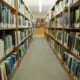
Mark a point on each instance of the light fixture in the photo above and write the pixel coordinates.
(40, 6)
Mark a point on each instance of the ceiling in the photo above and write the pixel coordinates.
(33, 5)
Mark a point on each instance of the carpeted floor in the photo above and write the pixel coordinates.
(40, 64)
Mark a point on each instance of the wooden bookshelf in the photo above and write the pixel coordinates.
(55, 28)
(66, 29)
(9, 29)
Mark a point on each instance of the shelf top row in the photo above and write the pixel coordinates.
(6, 29)
(14, 9)
(66, 29)
(76, 3)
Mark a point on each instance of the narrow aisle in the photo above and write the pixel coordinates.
(40, 64)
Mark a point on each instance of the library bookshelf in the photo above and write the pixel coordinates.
(16, 33)
(63, 35)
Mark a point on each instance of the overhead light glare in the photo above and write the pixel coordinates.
(40, 6)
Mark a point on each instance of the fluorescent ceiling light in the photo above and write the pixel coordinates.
(40, 6)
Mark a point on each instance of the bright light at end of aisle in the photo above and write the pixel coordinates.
(40, 6)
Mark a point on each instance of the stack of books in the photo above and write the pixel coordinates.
(8, 18)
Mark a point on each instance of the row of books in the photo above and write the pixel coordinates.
(75, 17)
(72, 42)
(7, 67)
(22, 22)
(8, 43)
(23, 9)
(72, 64)
(59, 7)
(59, 36)
(59, 50)
(22, 49)
(20, 6)
(22, 35)
(59, 22)
(66, 20)
(7, 18)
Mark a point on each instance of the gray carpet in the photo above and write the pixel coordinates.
(40, 63)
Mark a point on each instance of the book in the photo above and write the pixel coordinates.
(65, 57)
(4, 16)
(66, 39)
(72, 19)
(77, 24)
(71, 63)
(9, 63)
(76, 47)
(71, 39)
(22, 49)
(3, 71)
(8, 18)
(59, 7)
(0, 14)
(2, 54)
(20, 6)
(21, 36)
(59, 36)
(21, 21)
(74, 67)
(66, 20)
(15, 59)
(8, 43)
(14, 40)
(59, 22)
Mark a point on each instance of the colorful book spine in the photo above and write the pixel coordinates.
(77, 15)
(0, 14)
(71, 63)
(1, 47)
(76, 47)
(8, 19)
(66, 20)
(21, 21)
